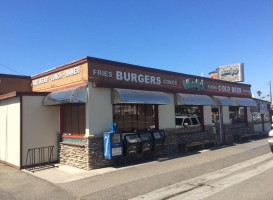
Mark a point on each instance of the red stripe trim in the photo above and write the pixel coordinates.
(191, 128)
(245, 123)
(73, 136)
(216, 91)
(71, 144)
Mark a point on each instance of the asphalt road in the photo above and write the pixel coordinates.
(241, 171)
(18, 185)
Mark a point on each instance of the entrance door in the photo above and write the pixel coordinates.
(217, 121)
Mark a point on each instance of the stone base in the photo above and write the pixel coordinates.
(90, 155)
(73, 155)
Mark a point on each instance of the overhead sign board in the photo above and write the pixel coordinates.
(232, 72)
(105, 75)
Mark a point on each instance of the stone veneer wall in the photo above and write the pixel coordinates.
(231, 131)
(74, 155)
(90, 156)
(174, 138)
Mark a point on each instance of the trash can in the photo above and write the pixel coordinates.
(158, 139)
(131, 144)
(146, 142)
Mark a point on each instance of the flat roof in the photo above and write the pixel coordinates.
(14, 76)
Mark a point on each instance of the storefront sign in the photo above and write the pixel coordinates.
(110, 74)
(133, 78)
(199, 85)
(137, 78)
(57, 76)
(263, 107)
(233, 72)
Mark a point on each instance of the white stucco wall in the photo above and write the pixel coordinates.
(249, 115)
(10, 131)
(99, 111)
(40, 125)
(267, 126)
(166, 114)
(225, 110)
(258, 127)
(207, 115)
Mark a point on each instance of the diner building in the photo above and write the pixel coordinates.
(68, 109)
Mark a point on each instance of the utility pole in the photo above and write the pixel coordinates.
(270, 92)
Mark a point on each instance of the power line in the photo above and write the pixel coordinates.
(12, 69)
(261, 87)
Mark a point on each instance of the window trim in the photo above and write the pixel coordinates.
(245, 115)
(121, 107)
(201, 121)
(62, 124)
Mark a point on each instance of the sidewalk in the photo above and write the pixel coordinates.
(65, 174)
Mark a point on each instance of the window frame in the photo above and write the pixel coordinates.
(245, 114)
(137, 122)
(201, 108)
(81, 110)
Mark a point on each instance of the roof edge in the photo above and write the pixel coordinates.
(17, 94)
(15, 76)
(59, 68)
(128, 65)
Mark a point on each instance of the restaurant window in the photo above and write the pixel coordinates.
(257, 117)
(266, 117)
(237, 114)
(188, 116)
(73, 116)
(130, 117)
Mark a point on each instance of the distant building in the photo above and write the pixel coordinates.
(214, 74)
(9, 83)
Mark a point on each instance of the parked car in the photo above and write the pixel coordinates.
(187, 121)
(270, 140)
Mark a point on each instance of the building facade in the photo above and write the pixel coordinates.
(71, 106)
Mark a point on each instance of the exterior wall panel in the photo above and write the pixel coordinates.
(267, 126)
(207, 115)
(10, 131)
(44, 132)
(225, 110)
(98, 110)
(258, 127)
(249, 115)
(166, 114)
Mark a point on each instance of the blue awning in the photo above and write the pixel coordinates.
(193, 99)
(223, 101)
(77, 95)
(244, 101)
(139, 97)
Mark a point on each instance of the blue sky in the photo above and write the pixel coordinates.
(187, 36)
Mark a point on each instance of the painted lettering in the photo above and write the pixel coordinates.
(137, 78)
(189, 84)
